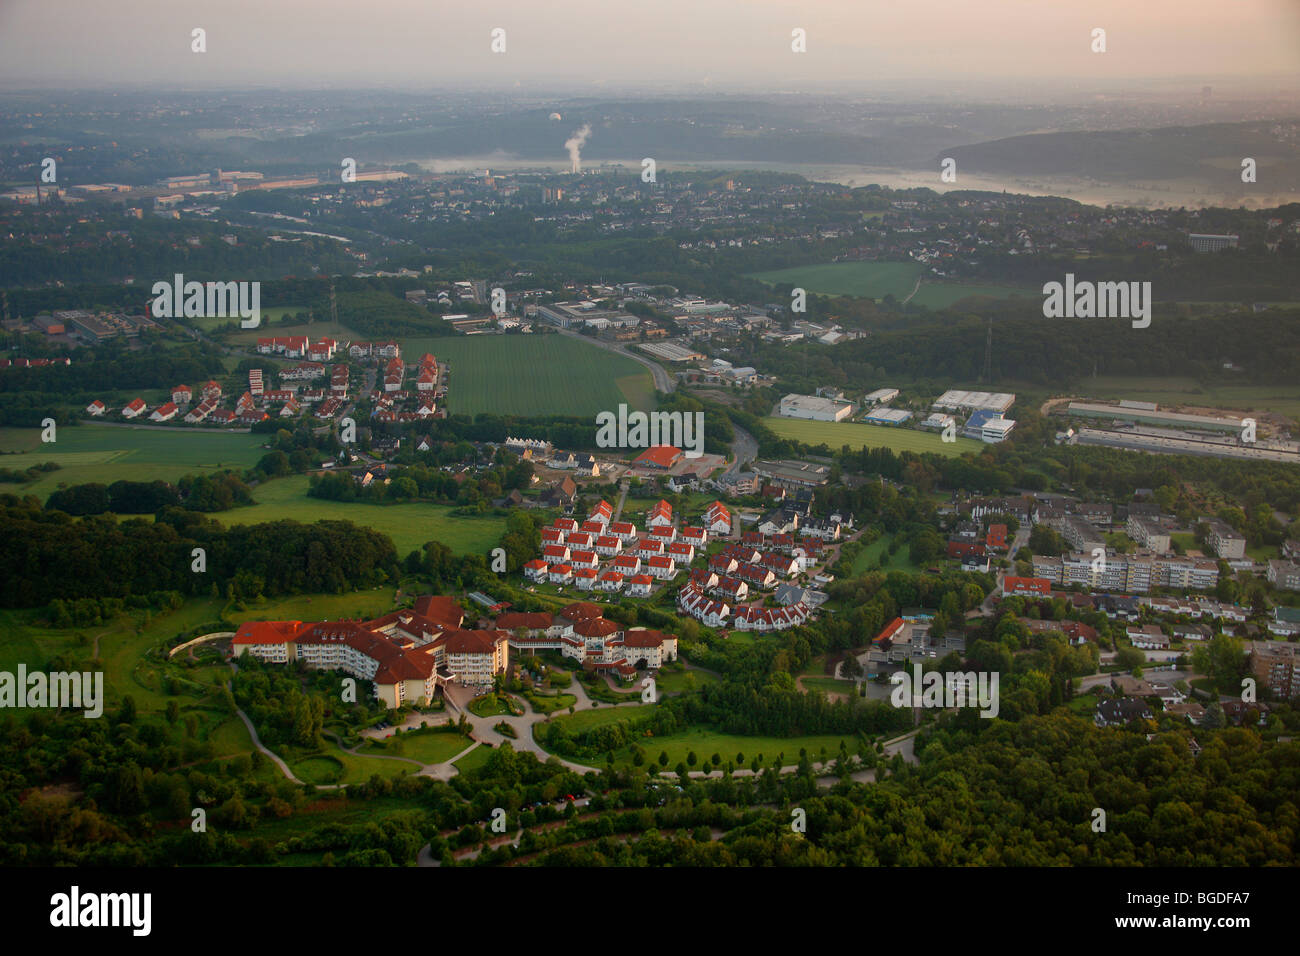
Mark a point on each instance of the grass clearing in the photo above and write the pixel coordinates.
(873, 280)
(425, 745)
(105, 454)
(900, 560)
(837, 434)
(410, 525)
(535, 374)
(943, 295)
(474, 760)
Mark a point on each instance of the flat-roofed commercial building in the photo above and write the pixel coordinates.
(816, 409)
(960, 400)
(887, 416)
(1208, 242)
(1145, 413)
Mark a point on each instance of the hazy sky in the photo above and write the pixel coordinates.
(626, 44)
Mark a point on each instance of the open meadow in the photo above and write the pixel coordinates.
(109, 453)
(856, 436)
(534, 375)
(410, 525)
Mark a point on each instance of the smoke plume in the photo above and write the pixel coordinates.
(574, 145)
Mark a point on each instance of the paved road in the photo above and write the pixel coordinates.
(663, 381)
(744, 449)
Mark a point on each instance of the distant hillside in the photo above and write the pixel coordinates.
(1212, 152)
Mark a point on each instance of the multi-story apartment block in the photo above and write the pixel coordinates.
(1225, 542)
(1276, 666)
(1284, 575)
(1148, 533)
(1135, 573)
(1081, 534)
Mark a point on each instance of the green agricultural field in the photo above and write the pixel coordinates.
(106, 453)
(534, 375)
(941, 295)
(837, 434)
(410, 525)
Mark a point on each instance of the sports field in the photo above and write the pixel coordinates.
(109, 453)
(409, 525)
(534, 375)
(875, 280)
(838, 434)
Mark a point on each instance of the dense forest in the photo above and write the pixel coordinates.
(46, 555)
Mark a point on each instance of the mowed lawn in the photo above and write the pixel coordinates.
(410, 525)
(106, 454)
(534, 375)
(856, 436)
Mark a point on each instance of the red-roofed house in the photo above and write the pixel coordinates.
(717, 518)
(997, 537)
(625, 531)
(698, 537)
(639, 585)
(133, 408)
(661, 514)
(661, 457)
(681, 551)
(662, 567)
